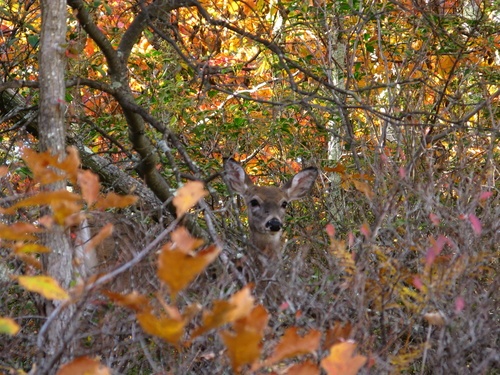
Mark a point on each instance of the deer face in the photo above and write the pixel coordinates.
(267, 204)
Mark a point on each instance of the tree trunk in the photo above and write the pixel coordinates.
(51, 125)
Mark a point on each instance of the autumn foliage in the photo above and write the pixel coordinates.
(390, 266)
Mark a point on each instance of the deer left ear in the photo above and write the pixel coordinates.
(235, 177)
(300, 185)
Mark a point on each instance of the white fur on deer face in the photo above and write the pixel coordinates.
(267, 204)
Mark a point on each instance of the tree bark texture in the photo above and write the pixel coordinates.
(51, 126)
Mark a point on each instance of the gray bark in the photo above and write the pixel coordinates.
(51, 126)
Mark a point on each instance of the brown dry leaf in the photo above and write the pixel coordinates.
(364, 188)
(90, 186)
(169, 329)
(44, 285)
(182, 240)
(338, 333)
(177, 269)
(223, 312)
(8, 326)
(113, 200)
(341, 360)
(134, 300)
(435, 318)
(29, 260)
(104, 233)
(84, 366)
(188, 195)
(292, 345)
(305, 368)
(3, 171)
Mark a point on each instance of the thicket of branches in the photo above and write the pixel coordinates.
(396, 249)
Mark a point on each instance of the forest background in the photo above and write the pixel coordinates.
(391, 264)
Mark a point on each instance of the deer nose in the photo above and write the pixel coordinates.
(274, 225)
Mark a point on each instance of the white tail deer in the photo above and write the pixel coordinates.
(267, 204)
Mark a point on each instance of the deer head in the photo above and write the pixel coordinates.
(267, 204)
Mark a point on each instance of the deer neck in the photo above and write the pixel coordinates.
(269, 243)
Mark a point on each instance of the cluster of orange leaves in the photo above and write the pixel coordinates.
(242, 322)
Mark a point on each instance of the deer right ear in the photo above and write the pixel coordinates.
(235, 177)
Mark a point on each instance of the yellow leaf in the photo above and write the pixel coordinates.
(44, 285)
(341, 360)
(187, 196)
(177, 269)
(18, 232)
(84, 366)
(8, 326)
(31, 248)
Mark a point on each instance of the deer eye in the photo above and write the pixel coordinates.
(284, 204)
(254, 203)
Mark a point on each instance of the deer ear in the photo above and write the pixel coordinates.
(299, 186)
(235, 177)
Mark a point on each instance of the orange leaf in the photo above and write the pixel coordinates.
(182, 240)
(304, 368)
(341, 360)
(39, 164)
(44, 285)
(223, 312)
(134, 300)
(177, 269)
(84, 366)
(338, 333)
(3, 171)
(44, 198)
(18, 232)
(292, 345)
(113, 200)
(169, 329)
(187, 196)
(8, 326)
(244, 342)
(89, 183)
